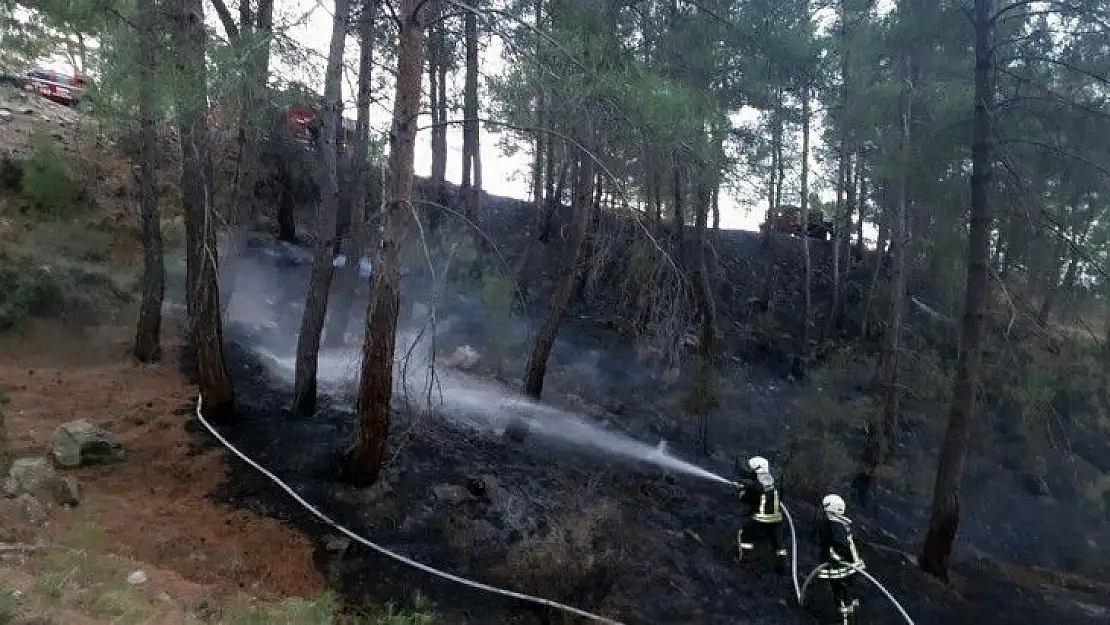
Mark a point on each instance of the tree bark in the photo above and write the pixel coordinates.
(553, 204)
(346, 290)
(5, 445)
(706, 303)
(536, 369)
(252, 40)
(944, 514)
(437, 98)
(471, 166)
(677, 205)
(375, 394)
(883, 429)
(202, 291)
(541, 119)
(804, 205)
(316, 303)
(148, 333)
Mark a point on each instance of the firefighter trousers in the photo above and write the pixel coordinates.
(768, 533)
(843, 597)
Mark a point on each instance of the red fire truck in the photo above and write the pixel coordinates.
(55, 86)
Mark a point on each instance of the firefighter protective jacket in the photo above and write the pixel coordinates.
(760, 494)
(838, 548)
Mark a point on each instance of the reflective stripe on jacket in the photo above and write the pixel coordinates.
(838, 547)
(762, 497)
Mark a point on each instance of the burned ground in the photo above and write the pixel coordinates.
(620, 538)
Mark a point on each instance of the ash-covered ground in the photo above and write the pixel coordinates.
(549, 517)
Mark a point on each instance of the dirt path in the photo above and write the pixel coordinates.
(153, 512)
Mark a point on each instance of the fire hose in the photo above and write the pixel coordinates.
(386, 552)
(799, 591)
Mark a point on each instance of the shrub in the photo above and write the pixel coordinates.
(568, 560)
(71, 292)
(90, 244)
(29, 291)
(48, 179)
(11, 173)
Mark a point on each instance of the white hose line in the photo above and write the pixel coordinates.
(809, 578)
(905, 615)
(793, 553)
(898, 606)
(386, 552)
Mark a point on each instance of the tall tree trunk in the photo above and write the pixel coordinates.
(316, 303)
(845, 17)
(851, 196)
(883, 428)
(375, 393)
(252, 39)
(437, 99)
(804, 204)
(841, 175)
(149, 330)
(706, 303)
(553, 203)
(679, 208)
(717, 207)
(657, 192)
(541, 119)
(944, 514)
(1054, 290)
(536, 369)
(772, 180)
(202, 291)
(5, 446)
(472, 168)
(861, 200)
(287, 206)
(349, 279)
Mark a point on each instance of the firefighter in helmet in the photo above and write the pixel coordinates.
(840, 556)
(760, 495)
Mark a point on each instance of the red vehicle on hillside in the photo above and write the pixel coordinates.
(300, 121)
(55, 86)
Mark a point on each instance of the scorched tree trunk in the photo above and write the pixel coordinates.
(356, 239)
(944, 516)
(316, 304)
(375, 394)
(148, 333)
(536, 369)
(202, 291)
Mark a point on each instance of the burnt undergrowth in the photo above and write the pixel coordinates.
(603, 535)
(623, 539)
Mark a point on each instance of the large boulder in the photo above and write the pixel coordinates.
(80, 443)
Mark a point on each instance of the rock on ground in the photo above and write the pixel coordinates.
(36, 476)
(27, 475)
(80, 443)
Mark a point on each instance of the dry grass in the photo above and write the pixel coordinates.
(66, 584)
(569, 557)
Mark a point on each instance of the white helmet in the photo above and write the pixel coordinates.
(833, 504)
(759, 464)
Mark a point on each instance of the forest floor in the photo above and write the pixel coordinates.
(202, 561)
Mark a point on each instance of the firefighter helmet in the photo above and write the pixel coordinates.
(833, 504)
(759, 464)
